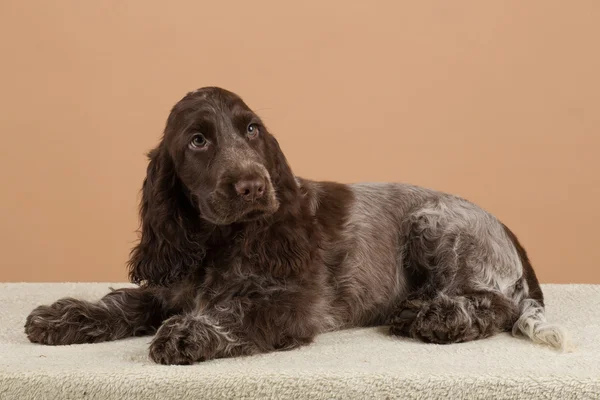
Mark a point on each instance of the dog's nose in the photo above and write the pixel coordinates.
(250, 189)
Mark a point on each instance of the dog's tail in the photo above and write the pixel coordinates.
(532, 321)
(533, 324)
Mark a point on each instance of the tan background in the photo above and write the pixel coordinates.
(495, 101)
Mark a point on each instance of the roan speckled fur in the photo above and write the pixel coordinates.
(238, 256)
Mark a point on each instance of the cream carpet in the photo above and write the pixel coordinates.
(352, 364)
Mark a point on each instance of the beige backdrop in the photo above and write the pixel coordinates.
(496, 101)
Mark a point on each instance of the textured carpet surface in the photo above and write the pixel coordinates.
(357, 363)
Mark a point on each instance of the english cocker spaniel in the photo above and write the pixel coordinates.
(239, 256)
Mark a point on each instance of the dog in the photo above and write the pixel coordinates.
(238, 256)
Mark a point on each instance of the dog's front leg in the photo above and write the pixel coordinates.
(188, 338)
(121, 313)
(231, 329)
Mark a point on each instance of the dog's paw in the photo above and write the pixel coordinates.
(41, 325)
(177, 342)
(445, 321)
(403, 318)
(64, 322)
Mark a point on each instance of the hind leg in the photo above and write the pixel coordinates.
(462, 269)
(454, 319)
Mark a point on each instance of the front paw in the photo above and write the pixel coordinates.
(404, 316)
(64, 322)
(178, 341)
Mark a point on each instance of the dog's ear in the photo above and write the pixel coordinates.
(280, 171)
(169, 247)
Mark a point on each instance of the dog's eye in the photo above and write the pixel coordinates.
(198, 141)
(252, 131)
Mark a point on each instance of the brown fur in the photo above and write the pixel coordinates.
(225, 272)
(535, 291)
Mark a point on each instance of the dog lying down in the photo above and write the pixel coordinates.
(239, 256)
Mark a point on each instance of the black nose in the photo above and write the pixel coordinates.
(250, 189)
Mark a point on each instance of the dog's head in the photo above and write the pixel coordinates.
(216, 164)
(224, 156)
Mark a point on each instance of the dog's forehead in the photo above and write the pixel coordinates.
(206, 101)
(215, 98)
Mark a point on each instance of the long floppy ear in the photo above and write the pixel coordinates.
(170, 246)
(281, 173)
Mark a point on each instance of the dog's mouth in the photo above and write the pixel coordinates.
(224, 211)
(254, 214)
(260, 210)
